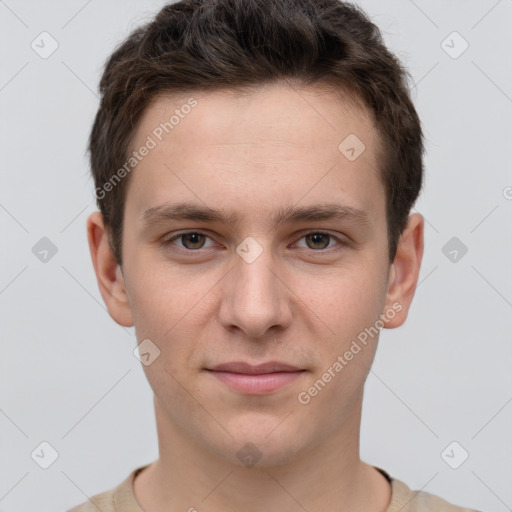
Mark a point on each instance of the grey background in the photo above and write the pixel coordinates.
(68, 374)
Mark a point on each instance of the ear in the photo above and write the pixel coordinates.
(108, 272)
(404, 272)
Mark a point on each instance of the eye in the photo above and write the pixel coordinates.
(191, 240)
(319, 240)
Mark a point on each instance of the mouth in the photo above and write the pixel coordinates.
(256, 380)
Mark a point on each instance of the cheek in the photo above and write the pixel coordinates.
(346, 300)
(173, 308)
(350, 306)
(163, 295)
(362, 304)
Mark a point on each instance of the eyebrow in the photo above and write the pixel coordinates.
(202, 213)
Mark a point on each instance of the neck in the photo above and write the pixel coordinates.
(327, 476)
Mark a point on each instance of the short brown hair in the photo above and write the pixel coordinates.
(231, 44)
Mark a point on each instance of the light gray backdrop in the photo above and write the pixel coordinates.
(68, 374)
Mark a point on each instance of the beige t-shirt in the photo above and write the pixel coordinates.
(122, 499)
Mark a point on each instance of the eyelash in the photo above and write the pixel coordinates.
(167, 243)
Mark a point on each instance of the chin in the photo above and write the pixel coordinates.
(260, 442)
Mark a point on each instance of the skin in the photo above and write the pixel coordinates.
(253, 154)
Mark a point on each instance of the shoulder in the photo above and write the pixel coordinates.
(103, 501)
(404, 499)
(118, 499)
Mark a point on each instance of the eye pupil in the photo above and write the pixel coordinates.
(316, 238)
(193, 239)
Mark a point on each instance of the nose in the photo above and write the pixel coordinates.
(255, 297)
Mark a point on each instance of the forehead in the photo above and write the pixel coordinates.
(275, 143)
(266, 113)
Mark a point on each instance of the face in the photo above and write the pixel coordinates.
(287, 262)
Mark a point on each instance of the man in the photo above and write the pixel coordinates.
(255, 164)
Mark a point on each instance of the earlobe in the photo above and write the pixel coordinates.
(108, 273)
(404, 272)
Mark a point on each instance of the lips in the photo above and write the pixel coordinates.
(261, 379)
(260, 369)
